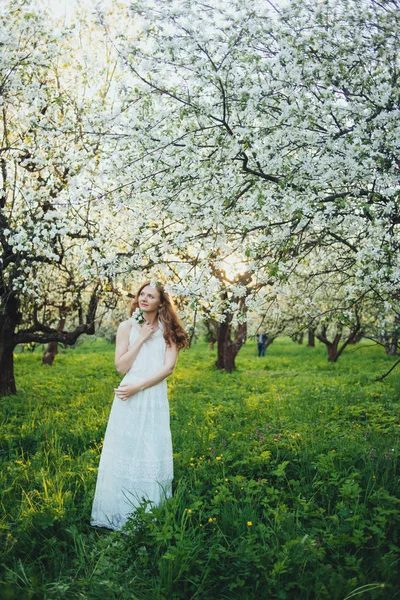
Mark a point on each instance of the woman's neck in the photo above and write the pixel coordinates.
(151, 317)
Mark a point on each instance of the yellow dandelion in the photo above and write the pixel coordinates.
(218, 458)
(249, 523)
(210, 520)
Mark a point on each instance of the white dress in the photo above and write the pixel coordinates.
(136, 459)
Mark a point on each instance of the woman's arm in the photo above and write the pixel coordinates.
(124, 391)
(125, 356)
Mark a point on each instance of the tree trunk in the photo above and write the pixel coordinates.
(50, 354)
(8, 323)
(228, 348)
(298, 337)
(52, 349)
(333, 347)
(391, 341)
(10, 318)
(392, 349)
(357, 338)
(333, 353)
(7, 379)
(225, 356)
(311, 338)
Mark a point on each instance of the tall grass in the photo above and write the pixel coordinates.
(286, 480)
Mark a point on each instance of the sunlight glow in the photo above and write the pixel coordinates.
(233, 266)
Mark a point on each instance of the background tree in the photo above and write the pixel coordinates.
(229, 131)
(317, 297)
(275, 134)
(58, 246)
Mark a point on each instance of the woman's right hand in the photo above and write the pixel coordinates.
(146, 331)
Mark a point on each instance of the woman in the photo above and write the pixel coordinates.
(136, 460)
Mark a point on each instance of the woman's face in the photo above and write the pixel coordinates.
(149, 299)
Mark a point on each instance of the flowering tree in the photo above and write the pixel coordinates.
(236, 131)
(318, 298)
(57, 247)
(272, 135)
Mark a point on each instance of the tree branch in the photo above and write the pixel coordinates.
(382, 377)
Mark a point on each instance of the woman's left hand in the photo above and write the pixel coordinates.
(125, 390)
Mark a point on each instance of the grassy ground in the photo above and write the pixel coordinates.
(286, 480)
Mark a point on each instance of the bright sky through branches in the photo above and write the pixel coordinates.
(65, 8)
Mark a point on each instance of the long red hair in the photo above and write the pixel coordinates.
(174, 331)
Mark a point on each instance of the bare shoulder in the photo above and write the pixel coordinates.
(124, 328)
(125, 325)
(172, 348)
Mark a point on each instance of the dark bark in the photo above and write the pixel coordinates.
(228, 348)
(357, 338)
(392, 349)
(50, 354)
(333, 347)
(333, 352)
(225, 359)
(298, 337)
(311, 338)
(40, 333)
(7, 379)
(8, 323)
(52, 348)
(391, 340)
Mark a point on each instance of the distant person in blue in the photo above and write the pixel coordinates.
(261, 341)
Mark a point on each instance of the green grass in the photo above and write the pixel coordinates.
(286, 480)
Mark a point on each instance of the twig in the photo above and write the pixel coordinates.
(364, 346)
